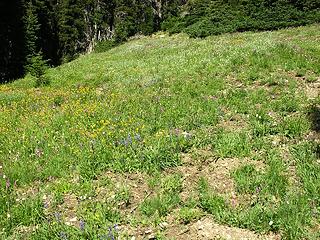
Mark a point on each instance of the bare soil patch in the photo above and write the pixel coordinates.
(206, 229)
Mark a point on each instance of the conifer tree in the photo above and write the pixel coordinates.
(35, 64)
(71, 28)
(32, 28)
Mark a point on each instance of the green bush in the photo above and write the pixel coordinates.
(104, 46)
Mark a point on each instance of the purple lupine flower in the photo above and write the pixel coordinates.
(45, 205)
(123, 142)
(137, 137)
(129, 139)
(82, 225)
(116, 227)
(110, 234)
(57, 216)
(63, 235)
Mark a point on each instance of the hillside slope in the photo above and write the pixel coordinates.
(168, 137)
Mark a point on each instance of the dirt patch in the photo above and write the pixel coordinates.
(312, 90)
(24, 193)
(23, 232)
(216, 171)
(233, 123)
(313, 136)
(206, 229)
(68, 210)
(134, 182)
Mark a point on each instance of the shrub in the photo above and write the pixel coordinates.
(104, 46)
(37, 67)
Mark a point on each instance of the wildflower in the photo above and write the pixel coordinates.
(129, 139)
(63, 235)
(110, 234)
(57, 216)
(137, 137)
(39, 152)
(258, 190)
(45, 205)
(234, 201)
(187, 135)
(116, 227)
(82, 225)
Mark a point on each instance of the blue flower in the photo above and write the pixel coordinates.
(110, 234)
(137, 137)
(63, 236)
(82, 225)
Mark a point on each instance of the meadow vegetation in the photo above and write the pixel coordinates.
(164, 132)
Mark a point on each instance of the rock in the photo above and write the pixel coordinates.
(186, 229)
(73, 219)
(163, 225)
(152, 236)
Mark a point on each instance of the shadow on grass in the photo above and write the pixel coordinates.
(314, 118)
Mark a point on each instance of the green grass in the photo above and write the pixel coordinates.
(137, 109)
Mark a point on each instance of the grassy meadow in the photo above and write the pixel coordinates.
(166, 137)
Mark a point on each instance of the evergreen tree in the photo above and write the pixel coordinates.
(71, 29)
(11, 40)
(48, 40)
(32, 28)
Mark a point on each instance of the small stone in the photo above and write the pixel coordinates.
(163, 225)
(152, 236)
(73, 219)
(186, 229)
(149, 231)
